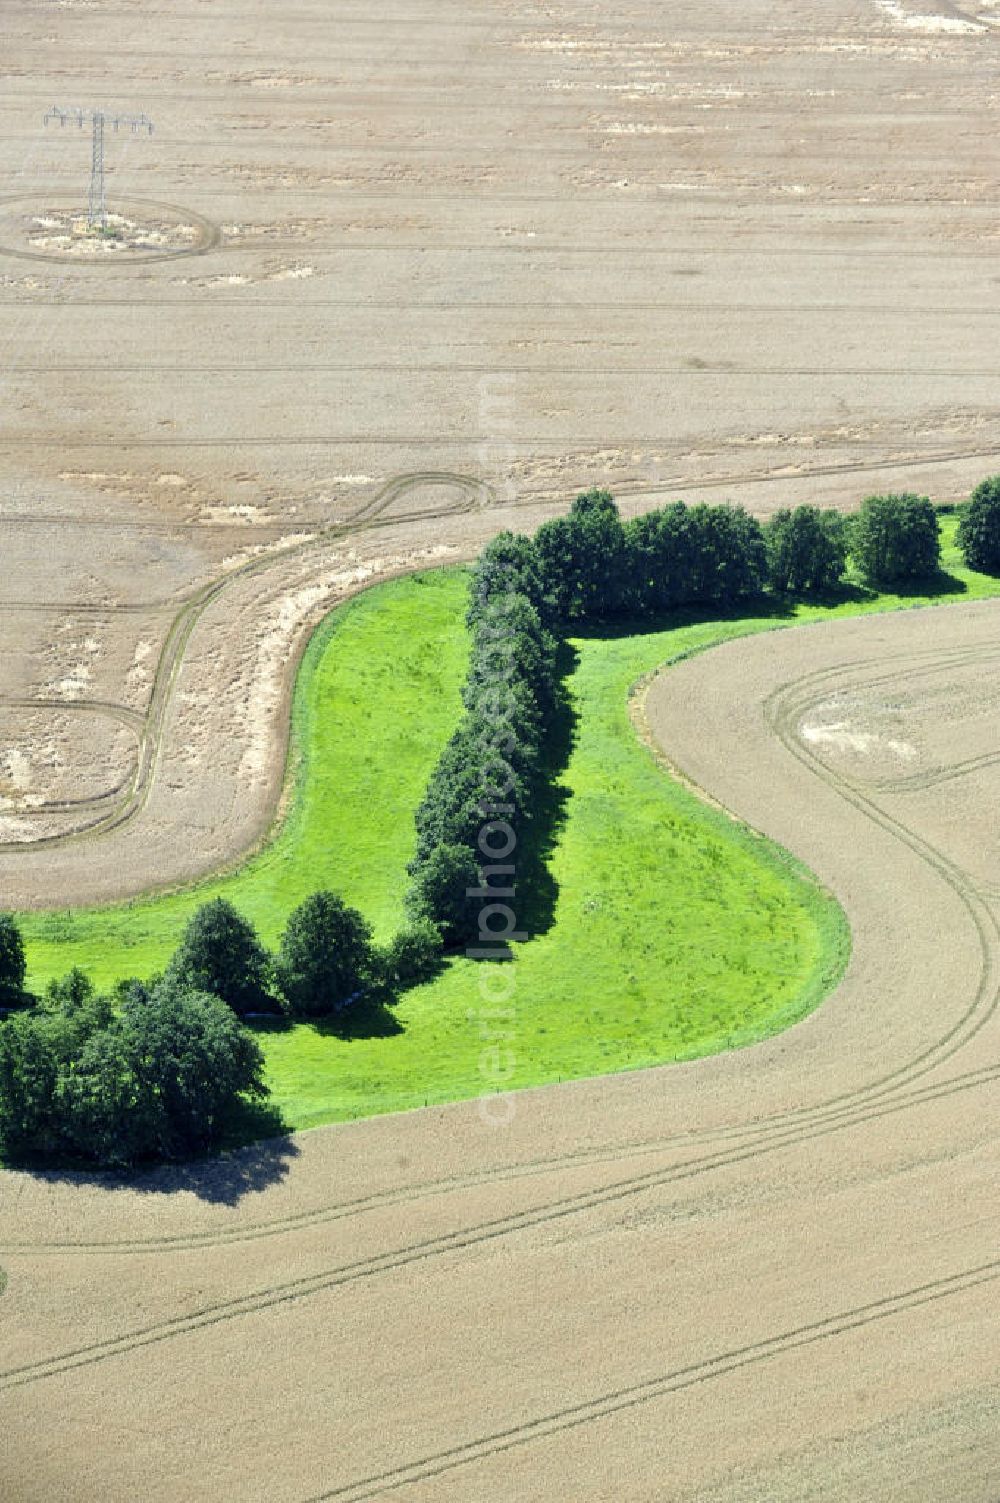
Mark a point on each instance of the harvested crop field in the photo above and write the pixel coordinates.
(384, 284)
(766, 1275)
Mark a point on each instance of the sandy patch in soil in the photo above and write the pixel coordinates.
(71, 235)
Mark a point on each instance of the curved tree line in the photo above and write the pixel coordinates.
(158, 1069)
(591, 567)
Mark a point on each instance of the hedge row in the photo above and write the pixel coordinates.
(590, 566)
(486, 785)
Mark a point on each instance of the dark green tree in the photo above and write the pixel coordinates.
(509, 564)
(728, 559)
(105, 1109)
(895, 539)
(979, 527)
(157, 1081)
(806, 551)
(661, 551)
(558, 545)
(511, 646)
(412, 956)
(484, 765)
(220, 953)
(440, 893)
(29, 1073)
(12, 962)
(583, 559)
(325, 958)
(195, 1061)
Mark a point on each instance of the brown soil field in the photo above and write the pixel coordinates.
(399, 278)
(770, 1275)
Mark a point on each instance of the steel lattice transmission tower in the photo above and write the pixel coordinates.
(97, 208)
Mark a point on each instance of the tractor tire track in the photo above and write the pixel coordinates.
(379, 1484)
(368, 518)
(782, 711)
(478, 1235)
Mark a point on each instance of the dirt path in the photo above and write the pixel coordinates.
(769, 1275)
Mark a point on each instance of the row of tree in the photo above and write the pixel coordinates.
(594, 566)
(326, 960)
(486, 784)
(590, 565)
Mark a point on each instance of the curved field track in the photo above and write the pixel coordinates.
(770, 1275)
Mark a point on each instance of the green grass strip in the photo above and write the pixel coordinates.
(675, 932)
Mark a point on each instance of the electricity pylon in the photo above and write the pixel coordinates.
(97, 208)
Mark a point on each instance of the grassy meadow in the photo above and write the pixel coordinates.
(661, 930)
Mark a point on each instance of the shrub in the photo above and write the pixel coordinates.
(12, 964)
(896, 539)
(220, 953)
(325, 957)
(411, 956)
(806, 550)
(979, 527)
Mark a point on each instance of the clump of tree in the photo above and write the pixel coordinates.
(12, 964)
(979, 527)
(595, 567)
(156, 1077)
(895, 540)
(806, 551)
(681, 555)
(583, 559)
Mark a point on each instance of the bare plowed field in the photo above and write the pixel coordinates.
(767, 1275)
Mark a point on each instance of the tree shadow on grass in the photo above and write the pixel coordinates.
(762, 608)
(370, 1017)
(935, 585)
(536, 889)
